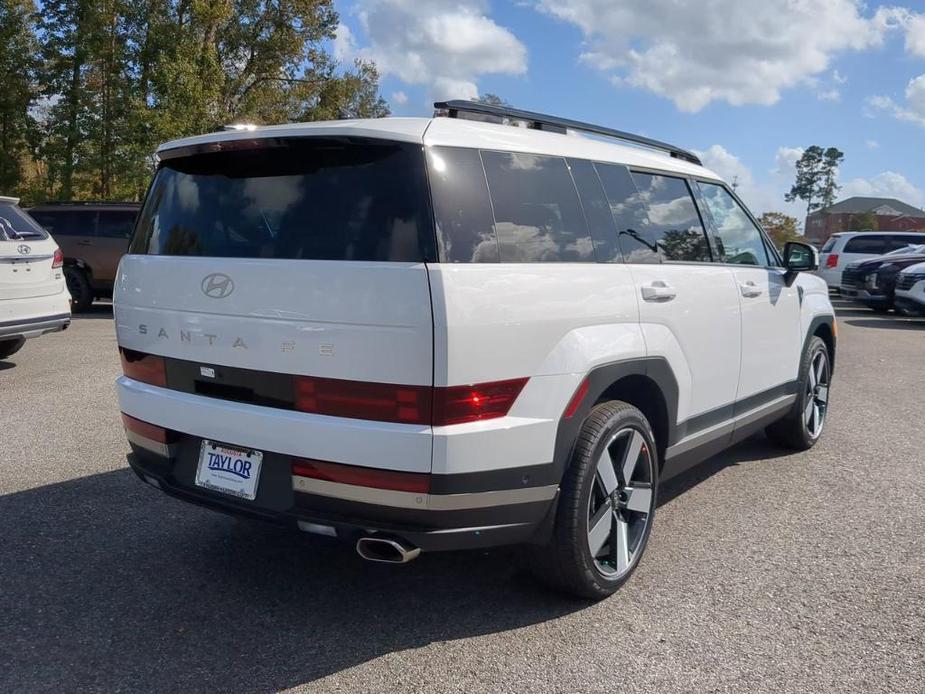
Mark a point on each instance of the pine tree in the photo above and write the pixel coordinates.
(18, 62)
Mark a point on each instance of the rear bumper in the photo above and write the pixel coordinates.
(34, 327)
(461, 521)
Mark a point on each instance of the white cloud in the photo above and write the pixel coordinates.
(871, 144)
(442, 44)
(738, 51)
(838, 77)
(785, 161)
(914, 109)
(344, 43)
(829, 95)
(888, 184)
(400, 98)
(915, 35)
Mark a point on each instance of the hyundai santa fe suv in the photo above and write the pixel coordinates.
(33, 298)
(423, 334)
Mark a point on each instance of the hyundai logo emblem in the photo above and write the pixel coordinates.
(24, 249)
(217, 285)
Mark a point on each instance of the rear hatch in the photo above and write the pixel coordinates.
(26, 257)
(301, 256)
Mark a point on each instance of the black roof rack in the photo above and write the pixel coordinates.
(88, 203)
(540, 121)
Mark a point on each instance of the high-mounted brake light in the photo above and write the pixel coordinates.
(831, 261)
(147, 368)
(58, 260)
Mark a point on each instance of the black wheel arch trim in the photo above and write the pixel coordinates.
(817, 322)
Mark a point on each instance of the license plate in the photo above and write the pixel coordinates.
(228, 470)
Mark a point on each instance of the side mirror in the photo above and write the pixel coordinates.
(800, 257)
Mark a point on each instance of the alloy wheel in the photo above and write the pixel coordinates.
(817, 394)
(620, 503)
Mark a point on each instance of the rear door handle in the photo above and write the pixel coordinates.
(750, 290)
(659, 291)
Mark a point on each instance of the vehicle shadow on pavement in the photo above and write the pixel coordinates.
(886, 323)
(757, 447)
(106, 584)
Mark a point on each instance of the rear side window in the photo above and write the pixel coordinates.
(628, 210)
(67, 222)
(739, 239)
(674, 223)
(16, 224)
(462, 209)
(894, 243)
(597, 211)
(313, 198)
(115, 224)
(874, 245)
(829, 244)
(537, 214)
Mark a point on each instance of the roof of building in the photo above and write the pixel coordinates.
(890, 207)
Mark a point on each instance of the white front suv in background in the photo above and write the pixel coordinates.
(910, 290)
(33, 297)
(846, 247)
(423, 334)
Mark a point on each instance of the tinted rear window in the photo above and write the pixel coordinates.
(875, 245)
(828, 245)
(313, 199)
(629, 214)
(16, 224)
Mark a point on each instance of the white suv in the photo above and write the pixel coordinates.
(910, 290)
(33, 297)
(846, 247)
(430, 334)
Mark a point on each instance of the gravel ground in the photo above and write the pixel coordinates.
(766, 571)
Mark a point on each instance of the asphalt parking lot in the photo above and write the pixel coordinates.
(766, 571)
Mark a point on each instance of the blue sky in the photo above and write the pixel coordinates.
(746, 82)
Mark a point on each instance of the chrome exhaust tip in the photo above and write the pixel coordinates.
(386, 550)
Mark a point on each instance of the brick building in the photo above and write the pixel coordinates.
(892, 215)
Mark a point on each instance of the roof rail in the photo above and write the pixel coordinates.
(540, 121)
(113, 203)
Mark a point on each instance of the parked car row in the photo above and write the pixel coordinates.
(848, 247)
(873, 282)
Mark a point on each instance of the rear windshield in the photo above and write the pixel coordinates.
(16, 225)
(828, 244)
(313, 199)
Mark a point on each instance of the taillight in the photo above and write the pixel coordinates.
(416, 482)
(386, 402)
(831, 261)
(151, 432)
(381, 402)
(58, 259)
(458, 404)
(147, 368)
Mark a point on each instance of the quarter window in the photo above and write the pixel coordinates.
(115, 225)
(537, 214)
(739, 239)
(674, 223)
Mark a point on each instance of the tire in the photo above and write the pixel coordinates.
(617, 524)
(79, 286)
(10, 347)
(803, 426)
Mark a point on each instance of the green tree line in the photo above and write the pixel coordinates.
(88, 89)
